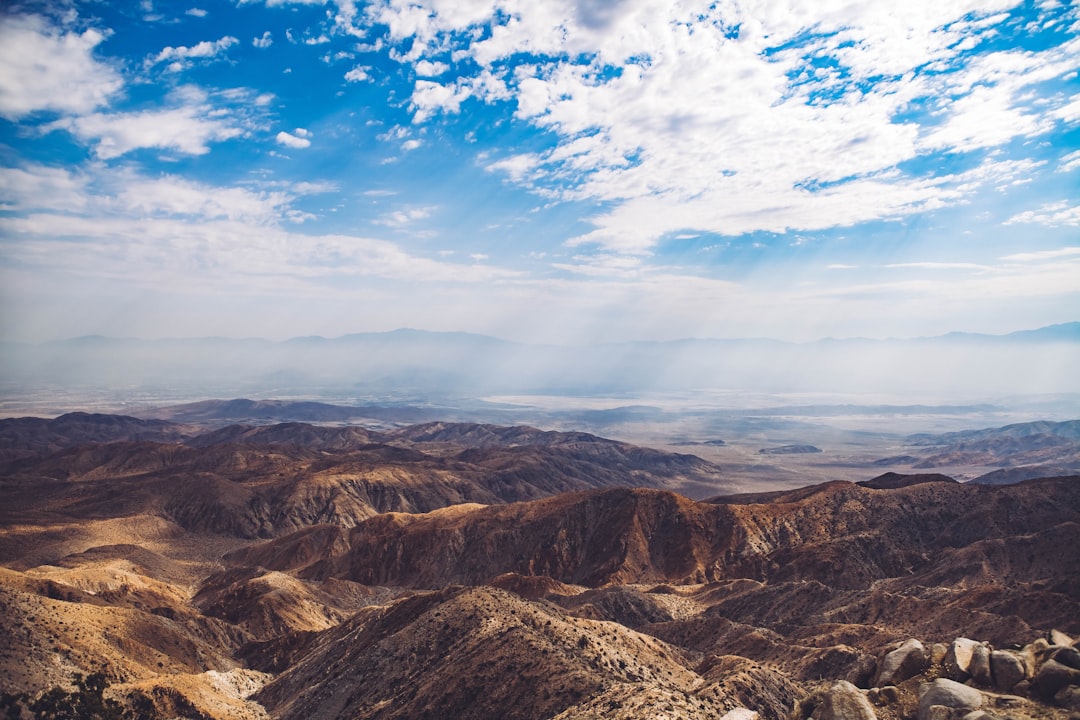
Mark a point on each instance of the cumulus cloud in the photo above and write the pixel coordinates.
(429, 98)
(357, 74)
(196, 12)
(45, 68)
(298, 139)
(263, 42)
(426, 68)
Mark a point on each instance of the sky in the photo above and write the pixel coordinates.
(556, 171)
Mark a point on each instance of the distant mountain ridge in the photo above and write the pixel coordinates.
(1069, 332)
(1053, 444)
(417, 363)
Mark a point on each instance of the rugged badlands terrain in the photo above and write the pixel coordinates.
(475, 571)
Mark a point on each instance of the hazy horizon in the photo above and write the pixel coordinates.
(1067, 326)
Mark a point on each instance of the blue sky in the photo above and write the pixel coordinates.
(554, 172)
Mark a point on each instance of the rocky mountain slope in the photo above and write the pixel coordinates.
(1034, 449)
(264, 481)
(472, 571)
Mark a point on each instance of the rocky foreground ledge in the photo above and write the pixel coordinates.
(963, 680)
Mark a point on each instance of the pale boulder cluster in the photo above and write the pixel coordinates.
(963, 680)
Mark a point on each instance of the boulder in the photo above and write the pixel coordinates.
(947, 694)
(1053, 676)
(980, 665)
(957, 662)
(904, 662)
(844, 701)
(1067, 655)
(1007, 670)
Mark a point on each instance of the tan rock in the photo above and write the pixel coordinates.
(844, 701)
(957, 661)
(1056, 637)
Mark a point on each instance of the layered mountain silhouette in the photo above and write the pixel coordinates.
(475, 571)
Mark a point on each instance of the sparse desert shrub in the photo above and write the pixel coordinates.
(86, 702)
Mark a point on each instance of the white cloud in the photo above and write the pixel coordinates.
(429, 98)
(516, 167)
(294, 141)
(1069, 162)
(1043, 255)
(188, 129)
(410, 145)
(196, 12)
(38, 187)
(426, 68)
(357, 74)
(169, 196)
(937, 266)
(265, 41)
(1057, 214)
(205, 49)
(401, 218)
(737, 117)
(47, 68)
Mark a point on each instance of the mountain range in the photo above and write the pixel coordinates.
(413, 364)
(290, 570)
